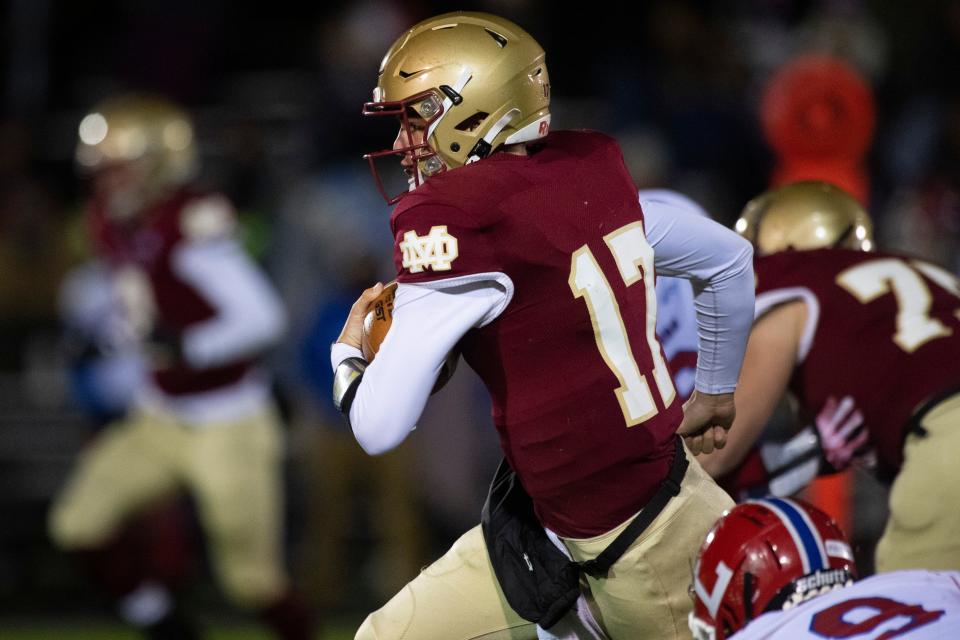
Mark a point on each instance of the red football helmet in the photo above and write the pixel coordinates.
(765, 555)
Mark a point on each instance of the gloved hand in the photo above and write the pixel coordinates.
(843, 435)
(837, 439)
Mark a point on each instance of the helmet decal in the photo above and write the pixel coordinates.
(715, 596)
(813, 554)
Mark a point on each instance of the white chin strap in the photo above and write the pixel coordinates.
(495, 130)
(462, 81)
(533, 131)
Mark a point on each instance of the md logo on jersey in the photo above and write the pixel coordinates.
(437, 250)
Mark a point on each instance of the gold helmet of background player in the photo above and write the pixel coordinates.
(805, 215)
(477, 80)
(148, 132)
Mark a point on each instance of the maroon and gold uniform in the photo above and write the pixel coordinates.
(881, 328)
(585, 459)
(551, 246)
(154, 293)
(527, 252)
(204, 421)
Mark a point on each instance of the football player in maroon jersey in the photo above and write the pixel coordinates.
(205, 422)
(835, 320)
(527, 252)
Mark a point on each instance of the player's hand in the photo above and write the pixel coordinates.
(352, 333)
(706, 420)
(843, 436)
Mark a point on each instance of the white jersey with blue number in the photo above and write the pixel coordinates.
(914, 605)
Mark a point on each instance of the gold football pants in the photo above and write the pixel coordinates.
(644, 596)
(232, 470)
(923, 531)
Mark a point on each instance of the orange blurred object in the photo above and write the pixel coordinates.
(818, 114)
(833, 494)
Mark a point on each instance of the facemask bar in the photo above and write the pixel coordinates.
(427, 105)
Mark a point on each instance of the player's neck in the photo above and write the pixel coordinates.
(519, 149)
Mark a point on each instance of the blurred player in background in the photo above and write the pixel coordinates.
(781, 568)
(106, 373)
(873, 339)
(518, 248)
(818, 114)
(202, 313)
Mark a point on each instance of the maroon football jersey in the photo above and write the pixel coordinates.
(155, 296)
(884, 331)
(582, 399)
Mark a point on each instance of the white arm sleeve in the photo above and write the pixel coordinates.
(428, 321)
(720, 265)
(249, 314)
(676, 311)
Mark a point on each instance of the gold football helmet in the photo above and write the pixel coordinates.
(148, 132)
(805, 215)
(476, 80)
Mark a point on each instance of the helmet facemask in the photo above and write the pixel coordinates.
(427, 107)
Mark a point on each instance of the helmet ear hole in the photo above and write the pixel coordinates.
(472, 122)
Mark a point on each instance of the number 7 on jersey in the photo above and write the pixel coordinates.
(634, 258)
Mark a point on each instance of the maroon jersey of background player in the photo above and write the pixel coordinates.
(881, 328)
(148, 244)
(554, 403)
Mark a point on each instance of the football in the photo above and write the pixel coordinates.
(377, 323)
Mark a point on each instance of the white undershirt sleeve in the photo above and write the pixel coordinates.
(428, 321)
(719, 264)
(249, 314)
